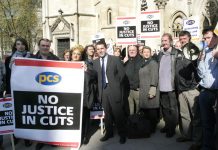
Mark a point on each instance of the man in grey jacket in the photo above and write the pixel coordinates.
(168, 99)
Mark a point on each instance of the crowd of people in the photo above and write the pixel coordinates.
(171, 85)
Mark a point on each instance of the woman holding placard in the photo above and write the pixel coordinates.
(90, 91)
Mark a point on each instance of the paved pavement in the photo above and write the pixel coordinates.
(157, 141)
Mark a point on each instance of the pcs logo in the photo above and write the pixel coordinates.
(7, 105)
(150, 16)
(126, 22)
(48, 78)
(190, 22)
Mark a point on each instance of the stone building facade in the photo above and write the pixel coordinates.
(69, 22)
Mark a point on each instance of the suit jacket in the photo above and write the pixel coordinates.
(115, 75)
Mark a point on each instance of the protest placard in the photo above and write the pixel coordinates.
(126, 30)
(6, 116)
(48, 99)
(192, 25)
(140, 41)
(150, 24)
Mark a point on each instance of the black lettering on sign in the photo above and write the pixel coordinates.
(150, 26)
(6, 118)
(126, 32)
(47, 110)
(141, 42)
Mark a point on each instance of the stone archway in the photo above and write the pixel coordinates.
(176, 23)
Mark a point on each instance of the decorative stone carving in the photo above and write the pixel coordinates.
(161, 3)
(57, 21)
(61, 26)
(144, 5)
(177, 26)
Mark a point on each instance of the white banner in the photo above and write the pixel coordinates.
(6, 116)
(150, 24)
(193, 26)
(48, 100)
(126, 30)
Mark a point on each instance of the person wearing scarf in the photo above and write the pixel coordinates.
(20, 49)
(148, 88)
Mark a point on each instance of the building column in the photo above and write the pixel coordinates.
(161, 6)
(189, 8)
(77, 22)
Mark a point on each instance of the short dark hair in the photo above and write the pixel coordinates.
(183, 33)
(136, 46)
(87, 46)
(101, 43)
(207, 29)
(85, 50)
(44, 39)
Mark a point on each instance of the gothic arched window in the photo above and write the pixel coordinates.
(177, 26)
(109, 16)
(176, 23)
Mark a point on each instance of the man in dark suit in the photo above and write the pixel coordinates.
(110, 73)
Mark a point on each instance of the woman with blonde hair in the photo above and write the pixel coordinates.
(148, 88)
(77, 53)
(90, 94)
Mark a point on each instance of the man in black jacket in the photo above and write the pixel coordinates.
(44, 53)
(132, 64)
(44, 50)
(186, 83)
